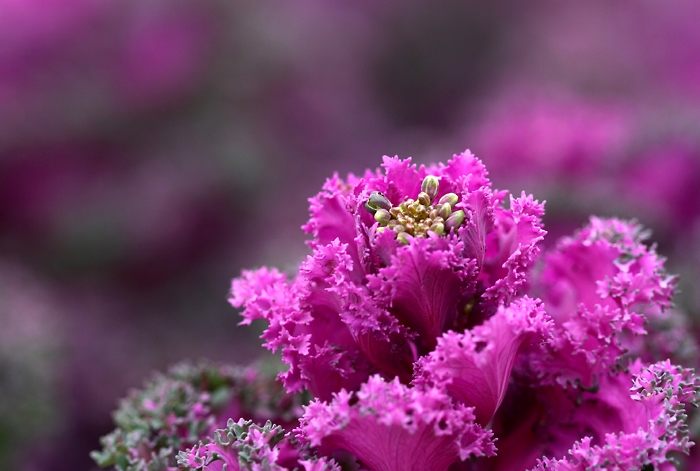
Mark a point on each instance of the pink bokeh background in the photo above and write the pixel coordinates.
(150, 150)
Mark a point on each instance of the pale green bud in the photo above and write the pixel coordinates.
(449, 198)
(438, 228)
(378, 201)
(455, 220)
(424, 199)
(430, 187)
(445, 211)
(404, 237)
(382, 216)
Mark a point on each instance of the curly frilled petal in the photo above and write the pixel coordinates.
(304, 320)
(391, 427)
(479, 209)
(322, 370)
(333, 360)
(512, 247)
(460, 165)
(333, 212)
(319, 464)
(666, 338)
(330, 218)
(351, 323)
(354, 313)
(607, 263)
(266, 294)
(258, 291)
(652, 422)
(474, 367)
(597, 285)
(401, 179)
(378, 334)
(584, 347)
(425, 285)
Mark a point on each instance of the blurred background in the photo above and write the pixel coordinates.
(151, 149)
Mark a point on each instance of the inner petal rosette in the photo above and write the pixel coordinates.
(400, 256)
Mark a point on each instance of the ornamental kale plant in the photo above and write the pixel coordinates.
(432, 334)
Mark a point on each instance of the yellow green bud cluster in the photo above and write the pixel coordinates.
(416, 218)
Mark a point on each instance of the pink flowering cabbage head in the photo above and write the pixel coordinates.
(429, 344)
(400, 256)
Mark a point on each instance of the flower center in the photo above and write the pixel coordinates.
(415, 218)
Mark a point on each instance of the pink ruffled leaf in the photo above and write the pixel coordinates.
(652, 421)
(391, 427)
(512, 247)
(424, 286)
(474, 367)
(597, 286)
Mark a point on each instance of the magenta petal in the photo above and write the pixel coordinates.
(393, 356)
(475, 366)
(332, 217)
(459, 166)
(334, 360)
(479, 209)
(266, 294)
(391, 427)
(304, 321)
(387, 344)
(424, 286)
(597, 286)
(324, 370)
(606, 263)
(512, 247)
(585, 347)
(650, 422)
(402, 179)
